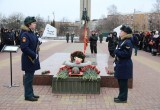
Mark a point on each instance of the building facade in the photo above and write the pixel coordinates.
(140, 21)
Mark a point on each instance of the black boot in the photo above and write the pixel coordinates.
(120, 101)
(36, 96)
(31, 99)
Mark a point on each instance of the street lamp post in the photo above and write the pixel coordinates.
(64, 29)
(53, 16)
(134, 20)
(48, 19)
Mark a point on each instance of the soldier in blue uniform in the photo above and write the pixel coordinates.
(29, 45)
(123, 63)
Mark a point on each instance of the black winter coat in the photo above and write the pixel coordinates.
(111, 43)
(93, 40)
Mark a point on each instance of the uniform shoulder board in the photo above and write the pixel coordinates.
(24, 39)
(127, 47)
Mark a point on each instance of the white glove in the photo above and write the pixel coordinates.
(36, 56)
(40, 40)
(114, 64)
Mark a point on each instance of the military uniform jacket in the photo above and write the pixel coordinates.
(123, 63)
(28, 45)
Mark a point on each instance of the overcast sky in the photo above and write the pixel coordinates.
(70, 8)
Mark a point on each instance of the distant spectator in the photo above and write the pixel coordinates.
(93, 43)
(135, 40)
(155, 41)
(67, 37)
(17, 39)
(100, 37)
(72, 37)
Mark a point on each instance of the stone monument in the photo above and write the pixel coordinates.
(85, 4)
(85, 9)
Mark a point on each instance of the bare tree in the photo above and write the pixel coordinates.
(156, 6)
(3, 21)
(0, 20)
(154, 20)
(112, 10)
(14, 21)
(101, 25)
(64, 26)
(111, 22)
(113, 18)
(40, 23)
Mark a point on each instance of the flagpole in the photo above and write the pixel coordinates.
(85, 37)
(85, 34)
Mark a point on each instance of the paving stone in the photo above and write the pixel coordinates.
(145, 94)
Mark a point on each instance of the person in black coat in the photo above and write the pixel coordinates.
(67, 37)
(112, 42)
(2, 35)
(155, 41)
(29, 45)
(123, 65)
(17, 39)
(100, 37)
(72, 37)
(135, 40)
(93, 43)
(2, 43)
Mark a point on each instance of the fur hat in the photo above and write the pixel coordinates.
(126, 29)
(115, 33)
(29, 20)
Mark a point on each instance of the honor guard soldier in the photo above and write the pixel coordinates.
(123, 63)
(29, 45)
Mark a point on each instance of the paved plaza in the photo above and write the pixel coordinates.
(145, 94)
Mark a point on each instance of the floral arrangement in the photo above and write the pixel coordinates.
(63, 72)
(89, 72)
(78, 54)
(90, 67)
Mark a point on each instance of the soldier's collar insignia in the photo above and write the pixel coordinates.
(24, 39)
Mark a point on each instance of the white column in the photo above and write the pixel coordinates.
(85, 4)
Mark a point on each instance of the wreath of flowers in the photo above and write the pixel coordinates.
(78, 54)
(90, 72)
(85, 68)
(64, 72)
